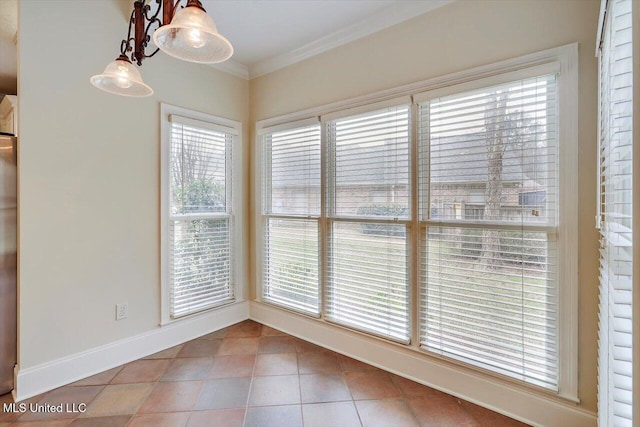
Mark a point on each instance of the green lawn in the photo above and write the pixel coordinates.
(480, 306)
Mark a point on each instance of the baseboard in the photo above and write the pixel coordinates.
(498, 395)
(47, 376)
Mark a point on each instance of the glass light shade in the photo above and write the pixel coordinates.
(120, 77)
(192, 36)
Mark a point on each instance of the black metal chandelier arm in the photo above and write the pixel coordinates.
(154, 21)
(126, 47)
(148, 27)
(153, 17)
(154, 52)
(125, 44)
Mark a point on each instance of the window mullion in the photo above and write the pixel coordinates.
(182, 167)
(322, 223)
(328, 212)
(228, 172)
(413, 240)
(266, 199)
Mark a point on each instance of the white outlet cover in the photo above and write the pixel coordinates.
(122, 311)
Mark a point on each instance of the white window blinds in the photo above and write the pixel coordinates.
(199, 219)
(368, 193)
(443, 220)
(615, 391)
(291, 208)
(489, 221)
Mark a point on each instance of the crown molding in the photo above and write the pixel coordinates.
(392, 15)
(234, 68)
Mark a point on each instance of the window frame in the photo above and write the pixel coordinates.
(332, 218)
(235, 211)
(263, 216)
(550, 227)
(566, 59)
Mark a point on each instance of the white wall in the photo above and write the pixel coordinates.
(453, 38)
(89, 176)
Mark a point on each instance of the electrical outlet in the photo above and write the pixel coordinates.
(122, 311)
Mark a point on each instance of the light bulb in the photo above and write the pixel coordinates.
(194, 38)
(123, 82)
(123, 78)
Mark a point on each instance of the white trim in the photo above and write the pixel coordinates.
(257, 209)
(50, 375)
(392, 15)
(168, 109)
(599, 145)
(353, 111)
(165, 164)
(568, 226)
(486, 82)
(232, 67)
(286, 126)
(512, 400)
(502, 67)
(234, 130)
(238, 216)
(183, 115)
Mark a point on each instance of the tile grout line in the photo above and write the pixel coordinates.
(299, 383)
(353, 399)
(253, 370)
(155, 383)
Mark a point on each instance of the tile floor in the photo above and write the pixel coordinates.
(252, 375)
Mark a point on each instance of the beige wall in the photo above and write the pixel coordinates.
(89, 161)
(89, 176)
(454, 38)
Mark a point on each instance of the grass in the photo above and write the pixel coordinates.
(506, 307)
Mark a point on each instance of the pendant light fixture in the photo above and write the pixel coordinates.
(121, 77)
(192, 36)
(188, 34)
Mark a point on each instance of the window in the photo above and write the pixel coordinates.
(198, 214)
(615, 370)
(368, 280)
(291, 211)
(488, 284)
(439, 220)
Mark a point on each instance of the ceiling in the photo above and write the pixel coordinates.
(271, 34)
(266, 34)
